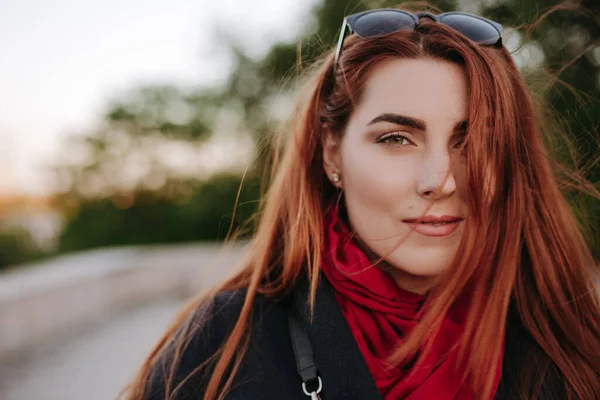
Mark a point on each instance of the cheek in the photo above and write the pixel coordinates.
(373, 176)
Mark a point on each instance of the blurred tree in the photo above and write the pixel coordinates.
(130, 149)
(118, 186)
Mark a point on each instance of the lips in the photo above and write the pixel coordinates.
(430, 219)
(434, 226)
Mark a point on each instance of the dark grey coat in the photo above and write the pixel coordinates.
(268, 371)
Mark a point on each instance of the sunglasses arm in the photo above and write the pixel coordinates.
(340, 44)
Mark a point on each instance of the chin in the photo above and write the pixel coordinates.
(418, 265)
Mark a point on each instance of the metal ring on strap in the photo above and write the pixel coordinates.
(316, 391)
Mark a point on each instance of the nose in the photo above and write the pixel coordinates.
(436, 180)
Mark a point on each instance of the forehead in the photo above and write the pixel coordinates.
(432, 90)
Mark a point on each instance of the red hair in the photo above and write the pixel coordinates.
(522, 245)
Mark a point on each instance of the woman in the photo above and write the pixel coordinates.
(413, 243)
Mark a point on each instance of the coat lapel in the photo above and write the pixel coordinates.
(340, 363)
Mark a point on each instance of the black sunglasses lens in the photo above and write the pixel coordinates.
(478, 30)
(382, 23)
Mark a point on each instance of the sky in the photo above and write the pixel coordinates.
(62, 61)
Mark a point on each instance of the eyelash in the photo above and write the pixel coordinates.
(385, 139)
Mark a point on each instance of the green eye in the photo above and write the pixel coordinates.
(395, 139)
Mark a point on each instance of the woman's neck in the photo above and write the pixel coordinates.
(416, 284)
(406, 281)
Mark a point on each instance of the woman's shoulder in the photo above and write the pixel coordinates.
(219, 314)
(203, 333)
(211, 321)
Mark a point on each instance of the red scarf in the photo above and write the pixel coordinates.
(380, 313)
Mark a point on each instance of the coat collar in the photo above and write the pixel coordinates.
(342, 368)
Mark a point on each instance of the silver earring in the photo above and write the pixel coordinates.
(335, 177)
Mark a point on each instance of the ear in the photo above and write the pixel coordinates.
(332, 156)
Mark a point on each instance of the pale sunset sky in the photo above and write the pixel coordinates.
(63, 60)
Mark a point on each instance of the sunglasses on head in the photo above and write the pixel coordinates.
(388, 20)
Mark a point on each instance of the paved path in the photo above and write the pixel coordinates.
(93, 359)
(92, 364)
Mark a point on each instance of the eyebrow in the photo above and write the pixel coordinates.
(411, 122)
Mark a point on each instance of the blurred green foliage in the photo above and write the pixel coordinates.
(139, 127)
(181, 211)
(17, 247)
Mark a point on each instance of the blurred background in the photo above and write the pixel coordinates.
(127, 128)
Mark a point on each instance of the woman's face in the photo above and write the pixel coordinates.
(398, 156)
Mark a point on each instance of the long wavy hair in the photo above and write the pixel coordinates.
(521, 246)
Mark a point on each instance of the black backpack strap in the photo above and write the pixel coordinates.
(305, 361)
